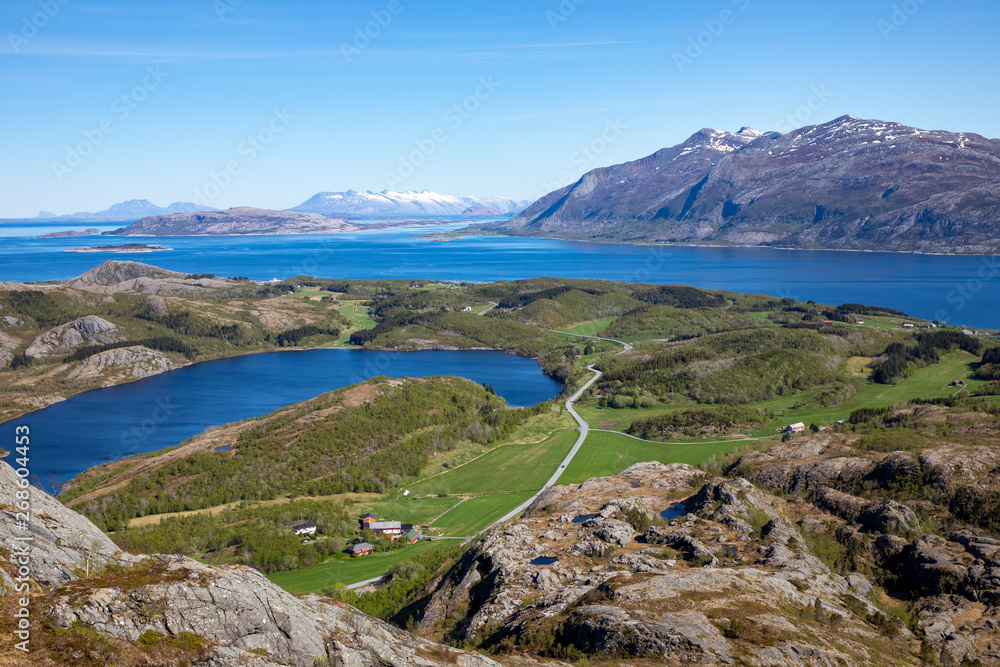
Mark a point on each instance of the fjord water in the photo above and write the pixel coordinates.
(959, 289)
(162, 411)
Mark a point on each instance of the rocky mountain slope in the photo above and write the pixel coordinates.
(354, 204)
(235, 221)
(847, 184)
(93, 605)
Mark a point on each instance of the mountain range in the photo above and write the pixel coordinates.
(847, 184)
(349, 204)
(355, 204)
(133, 209)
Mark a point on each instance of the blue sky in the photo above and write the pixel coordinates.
(254, 102)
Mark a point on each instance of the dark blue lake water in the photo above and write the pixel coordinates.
(958, 289)
(161, 411)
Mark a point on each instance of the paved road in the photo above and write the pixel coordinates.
(492, 306)
(584, 429)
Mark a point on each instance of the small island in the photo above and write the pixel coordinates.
(70, 234)
(126, 247)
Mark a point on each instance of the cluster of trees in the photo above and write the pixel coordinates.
(651, 321)
(409, 581)
(901, 358)
(731, 367)
(701, 420)
(364, 448)
(259, 537)
(847, 311)
(194, 326)
(41, 307)
(681, 296)
(293, 337)
(989, 368)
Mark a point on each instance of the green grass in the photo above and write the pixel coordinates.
(504, 469)
(605, 454)
(475, 514)
(592, 328)
(346, 570)
(616, 419)
(928, 382)
(418, 511)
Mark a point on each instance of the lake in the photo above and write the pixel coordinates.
(957, 289)
(161, 411)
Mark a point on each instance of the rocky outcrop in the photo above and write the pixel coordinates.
(114, 272)
(715, 586)
(89, 330)
(123, 363)
(229, 616)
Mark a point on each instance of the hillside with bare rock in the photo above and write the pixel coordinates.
(848, 184)
(93, 605)
(725, 578)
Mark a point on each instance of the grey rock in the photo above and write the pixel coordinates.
(679, 540)
(888, 517)
(89, 330)
(614, 531)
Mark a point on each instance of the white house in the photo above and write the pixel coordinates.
(307, 528)
(798, 427)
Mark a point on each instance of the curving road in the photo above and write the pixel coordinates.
(584, 429)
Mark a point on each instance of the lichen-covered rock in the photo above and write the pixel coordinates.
(888, 517)
(123, 363)
(89, 330)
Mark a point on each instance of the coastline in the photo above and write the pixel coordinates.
(649, 244)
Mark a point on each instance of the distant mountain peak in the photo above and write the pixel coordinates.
(413, 203)
(849, 183)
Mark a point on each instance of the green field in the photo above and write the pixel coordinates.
(592, 328)
(418, 511)
(504, 469)
(347, 570)
(928, 382)
(475, 514)
(605, 454)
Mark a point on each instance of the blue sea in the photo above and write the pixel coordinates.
(957, 289)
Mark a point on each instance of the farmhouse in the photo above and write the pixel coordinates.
(859, 320)
(412, 536)
(467, 309)
(798, 427)
(360, 549)
(307, 528)
(393, 529)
